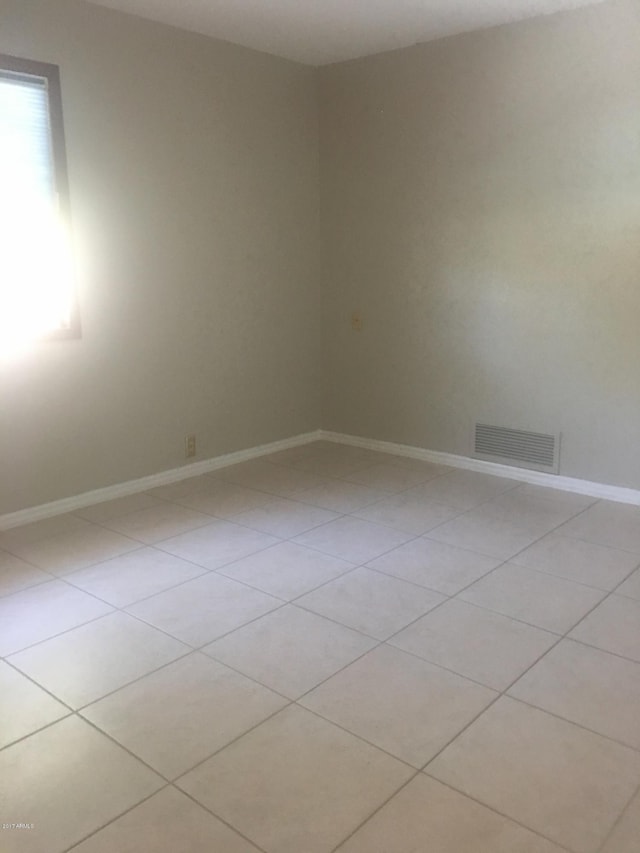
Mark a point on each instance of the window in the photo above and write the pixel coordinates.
(37, 294)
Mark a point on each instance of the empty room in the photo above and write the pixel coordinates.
(319, 426)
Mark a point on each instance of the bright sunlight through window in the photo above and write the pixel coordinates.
(37, 298)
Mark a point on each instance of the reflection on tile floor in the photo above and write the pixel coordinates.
(328, 649)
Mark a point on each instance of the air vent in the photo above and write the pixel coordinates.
(536, 450)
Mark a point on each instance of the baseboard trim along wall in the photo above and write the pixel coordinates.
(163, 478)
(130, 487)
(538, 478)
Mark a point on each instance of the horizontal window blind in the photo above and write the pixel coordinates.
(36, 289)
(26, 156)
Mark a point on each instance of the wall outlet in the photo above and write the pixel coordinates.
(189, 446)
(356, 322)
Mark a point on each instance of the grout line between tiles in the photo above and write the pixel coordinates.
(379, 643)
(619, 819)
(501, 814)
(126, 749)
(461, 793)
(76, 844)
(556, 577)
(504, 693)
(218, 817)
(415, 770)
(432, 588)
(209, 756)
(600, 649)
(60, 633)
(38, 730)
(29, 586)
(181, 583)
(284, 603)
(495, 699)
(375, 812)
(520, 701)
(351, 567)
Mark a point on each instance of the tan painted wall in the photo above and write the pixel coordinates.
(481, 208)
(194, 186)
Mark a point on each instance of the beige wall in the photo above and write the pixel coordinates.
(481, 208)
(194, 186)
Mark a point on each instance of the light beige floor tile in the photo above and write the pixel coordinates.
(408, 512)
(340, 496)
(464, 489)
(339, 453)
(288, 458)
(76, 549)
(435, 565)
(476, 643)
(631, 587)
(404, 705)
(44, 529)
(332, 465)
(624, 838)
(368, 601)
(51, 607)
(430, 469)
(286, 570)
(586, 686)
(157, 523)
(169, 822)
(389, 478)
(490, 536)
(613, 626)
(353, 539)
(290, 650)
(428, 817)
(336, 448)
(134, 576)
(24, 707)
(409, 703)
(285, 518)
(217, 544)
(90, 661)
(207, 607)
(571, 500)
(528, 510)
(296, 783)
(15, 574)
(181, 488)
(607, 523)
(576, 560)
(221, 499)
(184, 712)
(119, 506)
(294, 454)
(68, 780)
(273, 479)
(540, 599)
(577, 782)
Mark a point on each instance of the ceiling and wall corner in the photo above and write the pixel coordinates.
(319, 32)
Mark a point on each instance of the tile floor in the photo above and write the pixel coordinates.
(327, 649)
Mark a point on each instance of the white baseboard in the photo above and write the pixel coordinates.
(538, 478)
(130, 487)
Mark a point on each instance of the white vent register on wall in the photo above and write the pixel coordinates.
(535, 450)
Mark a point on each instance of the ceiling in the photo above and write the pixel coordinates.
(318, 32)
